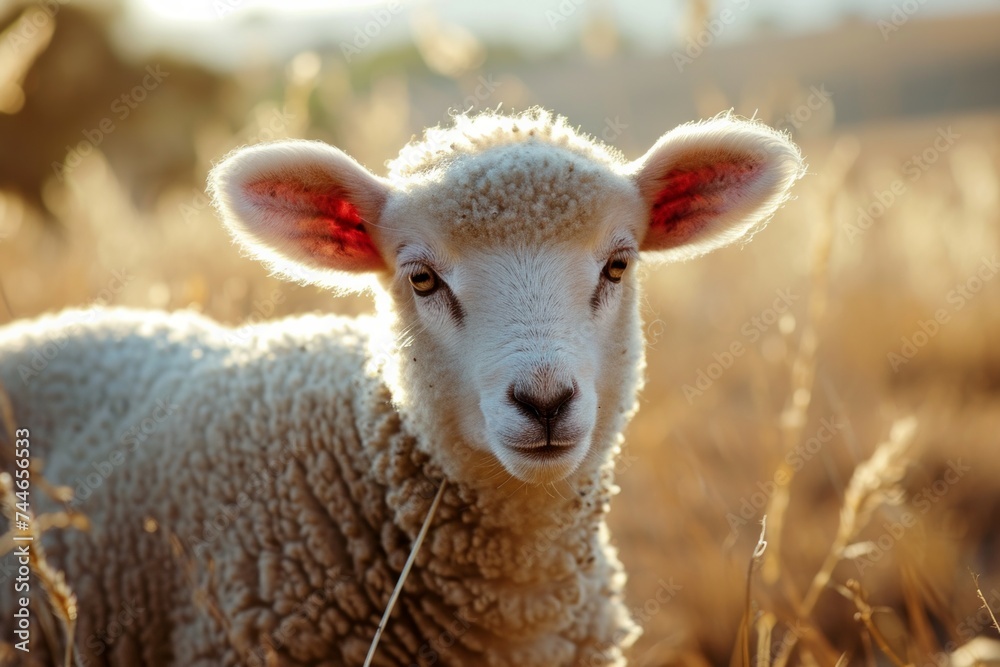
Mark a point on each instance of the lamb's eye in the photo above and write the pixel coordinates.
(615, 269)
(424, 281)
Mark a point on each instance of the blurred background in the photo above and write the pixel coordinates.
(839, 374)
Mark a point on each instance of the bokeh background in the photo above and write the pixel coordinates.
(840, 373)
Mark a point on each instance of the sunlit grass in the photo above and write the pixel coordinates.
(811, 395)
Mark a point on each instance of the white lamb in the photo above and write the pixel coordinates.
(264, 509)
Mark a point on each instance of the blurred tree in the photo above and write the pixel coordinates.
(77, 94)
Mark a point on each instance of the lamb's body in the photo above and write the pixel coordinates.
(271, 513)
(288, 509)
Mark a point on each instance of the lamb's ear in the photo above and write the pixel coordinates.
(303, 207)
(707, 184)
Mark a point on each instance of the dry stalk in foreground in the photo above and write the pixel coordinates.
(874, 483)
(854, 592)
(402, 575)
(803, 370)
(62, 600)
(747, 622)
(986, 605)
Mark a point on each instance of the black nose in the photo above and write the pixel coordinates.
(545, 407)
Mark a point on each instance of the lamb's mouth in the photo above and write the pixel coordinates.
(544, 452)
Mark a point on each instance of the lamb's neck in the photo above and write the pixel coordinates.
(528, 528)
(525, 533)
(507, 503)
(507, 557)
(516, 556)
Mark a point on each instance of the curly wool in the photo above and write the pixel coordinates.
(473, 135)
(256, 491)
(253, 494)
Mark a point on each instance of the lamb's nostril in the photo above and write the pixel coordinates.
(543, 407)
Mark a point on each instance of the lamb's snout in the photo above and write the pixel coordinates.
(547, 405)
(547, 401)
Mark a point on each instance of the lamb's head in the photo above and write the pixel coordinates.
(507, 247)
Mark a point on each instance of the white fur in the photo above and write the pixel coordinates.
(748, 208)
(361, 420)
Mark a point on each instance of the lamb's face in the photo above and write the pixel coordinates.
(517, 293)
(509, 257)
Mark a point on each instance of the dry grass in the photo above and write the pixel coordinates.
(868, 545)
(59, 606)
(712, 468)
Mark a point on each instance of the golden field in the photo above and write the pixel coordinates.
(839, 373)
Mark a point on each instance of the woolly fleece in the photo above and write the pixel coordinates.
(271, 497)
(254, 492)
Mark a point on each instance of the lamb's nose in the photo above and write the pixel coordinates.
(543, 406)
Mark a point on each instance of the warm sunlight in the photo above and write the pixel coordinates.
(356, 333)
(183, 11)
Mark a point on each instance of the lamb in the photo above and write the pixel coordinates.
(266, 512)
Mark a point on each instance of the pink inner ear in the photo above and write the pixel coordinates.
(327, 226)
(688, 199)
